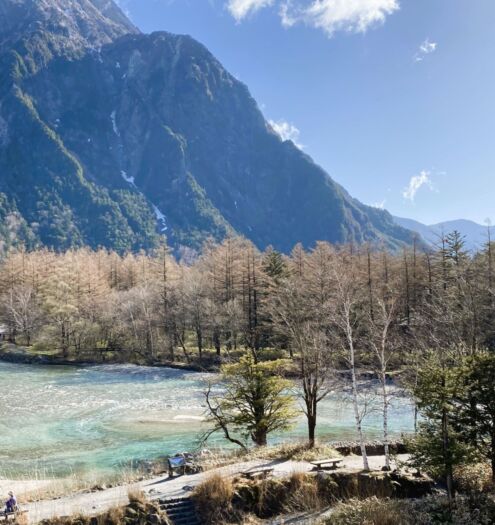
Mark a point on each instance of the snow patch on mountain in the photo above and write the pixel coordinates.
(160, 217)
(128, 178)
(113, 118)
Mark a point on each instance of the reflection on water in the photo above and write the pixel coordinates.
(62, 420)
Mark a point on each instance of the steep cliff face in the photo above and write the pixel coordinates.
(111, 137)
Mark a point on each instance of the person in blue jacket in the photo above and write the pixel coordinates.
(11, 504)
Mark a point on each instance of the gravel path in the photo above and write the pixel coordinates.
(98, 502)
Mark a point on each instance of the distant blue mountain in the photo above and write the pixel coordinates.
(475, 234)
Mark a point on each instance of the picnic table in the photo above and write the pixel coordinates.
(258, 473)
(326, 464)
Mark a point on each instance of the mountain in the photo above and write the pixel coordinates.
(110, 137)
(475, 234)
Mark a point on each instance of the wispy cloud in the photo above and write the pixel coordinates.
(240, 9)
(355, 16)
(380, 205)
(286, 131)
(426, 48)
(416, 183)
(124, 5)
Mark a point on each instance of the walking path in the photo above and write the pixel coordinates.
(98, 502)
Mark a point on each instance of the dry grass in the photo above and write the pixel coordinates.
(303, 453)
(303, 493)
(113, 516)
(270, 497)
(221, 500)
(435, 509)
(474, 478)
(52, 487)
(373, 511)
(22, 519)
(137, 496)
(213, 499)
(284, 452)
(250, 520)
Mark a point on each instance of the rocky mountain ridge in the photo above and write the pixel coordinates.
(109, 137)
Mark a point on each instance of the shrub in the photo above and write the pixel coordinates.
(213, 499)
(303, 493)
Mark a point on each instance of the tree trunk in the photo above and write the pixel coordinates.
(65, 347)
(199, 338)
(493, 451)
(216, 342)
(449, 474)
(355, 396)
(171, 348)
(259, 437)
(355, 402)
(311, 430)
(385, 420)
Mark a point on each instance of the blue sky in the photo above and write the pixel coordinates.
(394, 98)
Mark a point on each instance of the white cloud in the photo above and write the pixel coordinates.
(286, 131)
(354, 16)
(416, 183)
(329, 15)
(426, 48)
(240, 9)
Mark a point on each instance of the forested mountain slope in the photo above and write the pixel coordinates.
(109, 137)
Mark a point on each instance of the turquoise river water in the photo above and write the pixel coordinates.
(58, 421)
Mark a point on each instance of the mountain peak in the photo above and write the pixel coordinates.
(70, 25)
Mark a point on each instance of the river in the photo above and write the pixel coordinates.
(57, 421)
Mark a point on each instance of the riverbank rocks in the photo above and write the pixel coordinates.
(373, 448)
(144, 513)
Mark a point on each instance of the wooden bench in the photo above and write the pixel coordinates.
(258, 473)
(182, 464)
(7, 516)
(326, 464)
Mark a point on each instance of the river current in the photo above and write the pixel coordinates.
(57, 421)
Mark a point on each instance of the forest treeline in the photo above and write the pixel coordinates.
(233, 297)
